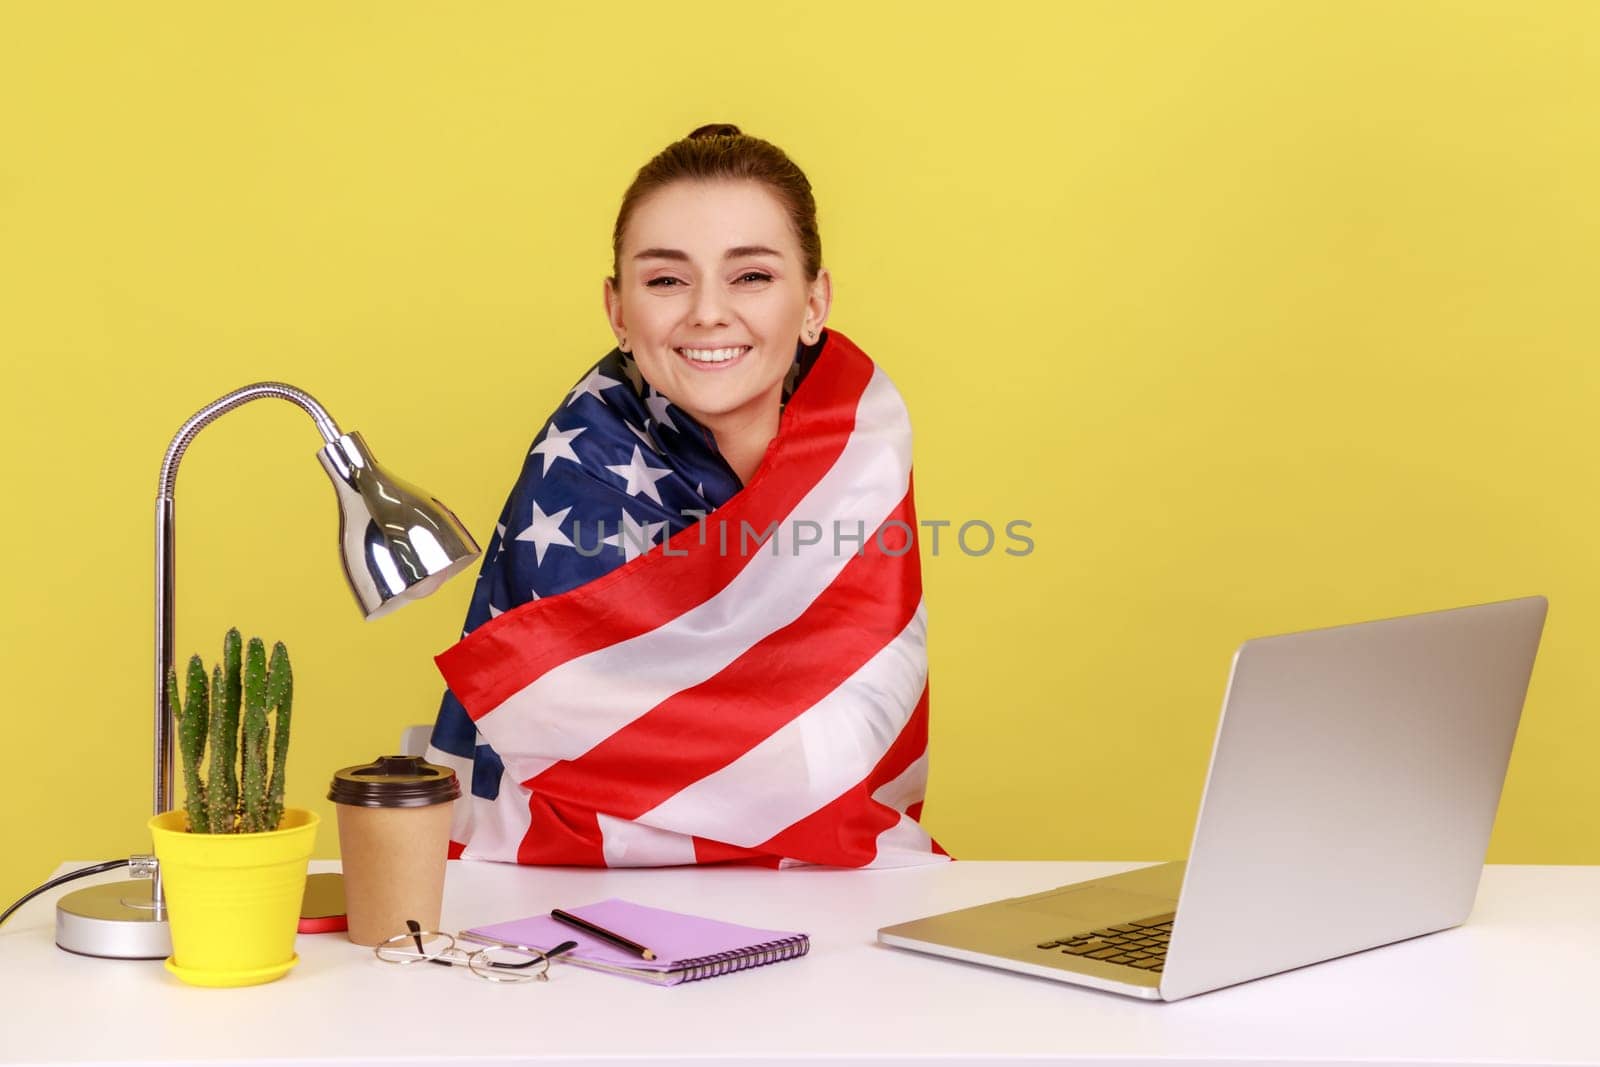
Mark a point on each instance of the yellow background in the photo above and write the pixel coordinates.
(1266, 316)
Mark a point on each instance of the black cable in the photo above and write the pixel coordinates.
(98, 868)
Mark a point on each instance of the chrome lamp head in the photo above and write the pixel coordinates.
(397, 542)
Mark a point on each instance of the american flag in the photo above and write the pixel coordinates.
(644, 681)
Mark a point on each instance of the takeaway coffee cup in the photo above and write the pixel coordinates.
(394, 833)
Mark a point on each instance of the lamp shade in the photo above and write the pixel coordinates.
(398, 542)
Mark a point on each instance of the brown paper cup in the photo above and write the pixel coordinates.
(394, 835)
(393, 868)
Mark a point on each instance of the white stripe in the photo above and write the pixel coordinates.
(811, 760)
(501, 824)
(630, 844)
(905, 788)
(906, 844)
(489, 829)
(574, 706)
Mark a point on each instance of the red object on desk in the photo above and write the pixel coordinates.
(323, 924)
(322, 906)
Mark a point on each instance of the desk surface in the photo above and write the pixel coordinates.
(1517, 984)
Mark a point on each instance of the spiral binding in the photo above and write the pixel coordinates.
(766, 952)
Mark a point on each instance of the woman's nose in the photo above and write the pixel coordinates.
(710, 306)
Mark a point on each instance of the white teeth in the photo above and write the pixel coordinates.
(712, 355)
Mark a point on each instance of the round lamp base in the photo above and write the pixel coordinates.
(116, 920)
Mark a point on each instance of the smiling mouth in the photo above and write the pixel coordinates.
(713, 358)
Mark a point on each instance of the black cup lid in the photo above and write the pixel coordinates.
(394, 782)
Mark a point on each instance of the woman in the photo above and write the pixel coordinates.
(698, 633)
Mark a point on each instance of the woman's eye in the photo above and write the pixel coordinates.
(755, 275)
(662, 283)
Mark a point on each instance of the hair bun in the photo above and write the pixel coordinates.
(716, 129)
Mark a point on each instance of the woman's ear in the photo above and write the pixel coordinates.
(818, 301)
(614, 313)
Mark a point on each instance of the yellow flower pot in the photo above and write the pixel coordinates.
(233, 900)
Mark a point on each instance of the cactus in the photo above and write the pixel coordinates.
(280, 697)
(238, 796)
(253, 769)
(192, 720)
(222, 787)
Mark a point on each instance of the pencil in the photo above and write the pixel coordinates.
(602, 933)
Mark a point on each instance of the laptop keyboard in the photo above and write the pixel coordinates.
(1141, 943)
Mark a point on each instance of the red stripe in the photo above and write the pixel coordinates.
(702, 729)
(511, 651)
(845, 832)
(561, 835)
(709, 851)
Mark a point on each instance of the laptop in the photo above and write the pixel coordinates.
(1352, 788)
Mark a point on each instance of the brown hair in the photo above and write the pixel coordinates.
(720, 152)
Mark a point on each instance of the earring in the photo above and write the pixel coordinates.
(622, 345)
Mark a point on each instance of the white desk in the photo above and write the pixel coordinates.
(1517, 984)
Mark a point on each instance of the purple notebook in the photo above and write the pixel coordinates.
(687, 947)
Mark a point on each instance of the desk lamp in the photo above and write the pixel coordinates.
(398, 543)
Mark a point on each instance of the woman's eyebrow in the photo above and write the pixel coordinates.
(733, 253)
(751, 250)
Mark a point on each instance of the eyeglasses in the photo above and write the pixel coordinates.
(496, 961)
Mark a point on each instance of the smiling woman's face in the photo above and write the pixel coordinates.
(712, 298)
